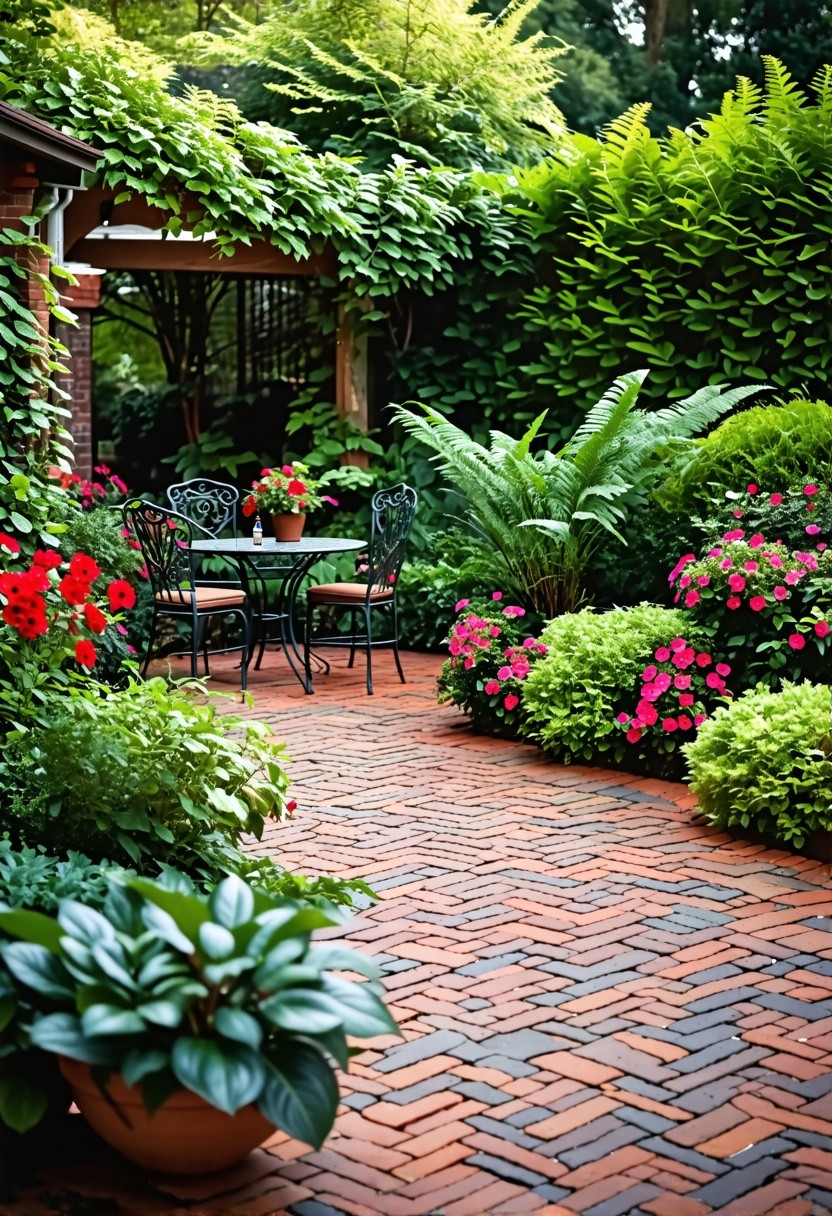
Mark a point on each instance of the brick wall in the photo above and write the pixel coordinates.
(78, 383)
(18, 182)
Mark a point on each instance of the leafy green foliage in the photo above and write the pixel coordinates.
(771, 446)
(704, 253)
(590, 674)
(34, 879)
(765, 763)
(222, 994)
(445, 85)
(545, 513)
(145, 774)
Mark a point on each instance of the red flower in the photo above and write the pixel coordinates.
(510, 701)
(821, 628)
(757, 603)
(492, 687)
(797, 641)
(736, 582)
(670, 724)
(810, 489)
(249, 505)
(686, 699)
(752, 489)
(296, 488)
(9, 542)
(733, 601)
(776, 499)
(633, 734)
(73, 589)
(47, 559)
(703, 660)
(120, 594)
(85, 654)
(84, 568)
(95, 618)
(684, 722)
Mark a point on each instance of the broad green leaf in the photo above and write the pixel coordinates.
(300, 1094)
(228, 1076)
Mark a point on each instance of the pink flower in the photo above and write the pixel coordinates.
(793, 578)
(496, 595)
(647, 713)
(504, 673)
(715, 552)
(810, 489)
(737, 513)
(514, 610)
(678, 644)
(684, 658)
(624, 719)
(494, 632)
(776, 499)
(684, 722)
(703, 580)
(692, 597)
(733, 601)
(699, 719)
(685, 581)
(670, 724)
(734, 534)
(662, 654)
(460, 604)
(492, 688)
(287, 470)
(455, 646)
(752, 489)
(662, 682)
(750, 567)
(468, 664)
(649, 692)
(703, 660)
(774, 560)
(781, 593)
(686, 700)
(510, 701)
(757, 603)
(714, 681)
(821, 628)
(797, 641)
(736, 582)
(823, 545)
(722, 669)
(812, 530)
(681, 681)
(633, 734)
(726, 563)
(756, 540)
(529, 643)
(649, 673)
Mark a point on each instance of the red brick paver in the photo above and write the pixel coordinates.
(606, 1008)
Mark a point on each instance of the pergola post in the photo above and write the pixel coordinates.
(351, 379)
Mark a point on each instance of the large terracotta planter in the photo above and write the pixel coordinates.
(184, 1136)
(288, 527)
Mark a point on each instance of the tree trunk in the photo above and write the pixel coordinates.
(655, 21)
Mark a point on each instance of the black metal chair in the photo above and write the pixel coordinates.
(164, 538)
(211, 504)
(393, 512)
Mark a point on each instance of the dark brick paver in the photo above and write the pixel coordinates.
(607, 1009)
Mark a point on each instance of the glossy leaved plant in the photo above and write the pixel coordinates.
(223, 995)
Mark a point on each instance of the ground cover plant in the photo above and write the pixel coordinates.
(764, 763)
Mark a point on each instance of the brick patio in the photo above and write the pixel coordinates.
(606, 1009)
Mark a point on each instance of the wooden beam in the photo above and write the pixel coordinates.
(114, 253)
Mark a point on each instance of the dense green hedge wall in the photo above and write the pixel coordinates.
(703, 255)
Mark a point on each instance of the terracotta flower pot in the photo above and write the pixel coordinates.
(183, 1136)
(288, 526)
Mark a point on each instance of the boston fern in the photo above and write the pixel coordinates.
(545, 513)
(223, 995)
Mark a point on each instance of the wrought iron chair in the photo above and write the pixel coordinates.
(164, 537)
(393, 512)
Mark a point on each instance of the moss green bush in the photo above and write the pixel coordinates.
(771, 446)
(591, 674)
(765, 763)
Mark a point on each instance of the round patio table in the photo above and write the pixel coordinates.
(291, 561)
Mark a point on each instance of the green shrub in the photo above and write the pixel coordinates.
(774, 447)
(143, 775)
(33, 878)
(591, 674)
(765, 763)
(456, 566)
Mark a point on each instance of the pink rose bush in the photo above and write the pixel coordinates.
(766, 606)
(677, 693)
(490, 656)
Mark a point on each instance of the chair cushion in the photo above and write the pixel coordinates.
(206, 598)
(345, 593)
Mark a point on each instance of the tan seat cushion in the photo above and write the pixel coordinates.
(345, 593)
(206, 597)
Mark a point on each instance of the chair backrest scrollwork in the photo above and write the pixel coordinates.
(211, 504)
(393, 512)
(164, 537)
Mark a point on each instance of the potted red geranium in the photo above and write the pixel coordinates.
(287, 494)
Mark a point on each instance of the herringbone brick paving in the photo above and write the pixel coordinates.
(606, 1008)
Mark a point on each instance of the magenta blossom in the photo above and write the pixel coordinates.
(496, 595)
(504, 673)
(513, 610)
(492, 687)
(460, 604)
(510, 701)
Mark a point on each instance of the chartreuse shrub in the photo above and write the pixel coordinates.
(599, 683)
(765, 763)
(773, 447)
